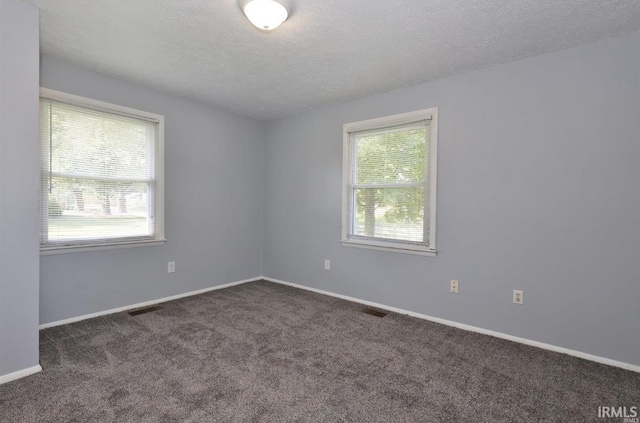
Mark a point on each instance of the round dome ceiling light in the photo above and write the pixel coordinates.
(265, 14)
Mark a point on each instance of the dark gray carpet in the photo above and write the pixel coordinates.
(262, 352)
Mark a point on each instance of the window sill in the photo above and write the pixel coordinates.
(48, 251)
(393, 248)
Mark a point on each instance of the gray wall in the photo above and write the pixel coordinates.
(213, 173)
(18, 186)
(537, 190)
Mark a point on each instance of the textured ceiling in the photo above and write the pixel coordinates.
(328, 51)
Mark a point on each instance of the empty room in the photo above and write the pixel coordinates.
(319, 211)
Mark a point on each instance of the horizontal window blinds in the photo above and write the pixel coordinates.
(97, 176)
(389, 182)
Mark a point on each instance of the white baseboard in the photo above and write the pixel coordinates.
(562, 350)
(144, 304)
(574, 353)
(19, 374)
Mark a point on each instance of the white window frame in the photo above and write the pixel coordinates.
(425, 249)
(159, 236)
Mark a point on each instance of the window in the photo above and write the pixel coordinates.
(389, 197)
(101, 174)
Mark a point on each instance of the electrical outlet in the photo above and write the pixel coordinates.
(327, 265)
(453, 286)
(171, 267)
(518, 296)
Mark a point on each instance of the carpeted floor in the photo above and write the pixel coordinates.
(262, 352)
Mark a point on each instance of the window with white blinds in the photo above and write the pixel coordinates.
(390, 183)
(101, 174)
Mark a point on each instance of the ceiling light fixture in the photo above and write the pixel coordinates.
(265, 14)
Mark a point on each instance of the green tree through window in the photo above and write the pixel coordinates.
(99, 181)
(390, 181)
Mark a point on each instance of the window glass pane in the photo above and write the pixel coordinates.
(98, 174)
(390, 157)
(394, 213)
(92, 143)
(82, 209)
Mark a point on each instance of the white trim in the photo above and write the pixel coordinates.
(433, 180)
(398, 185)
(85, 248)
(103, 179)
(419, 250)
(159, 188)
(393, 120)
(431, 115)
(20, 374)
(346, 169)
(103, 106)
(145, 303)
(525, 341)
(158, 181)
